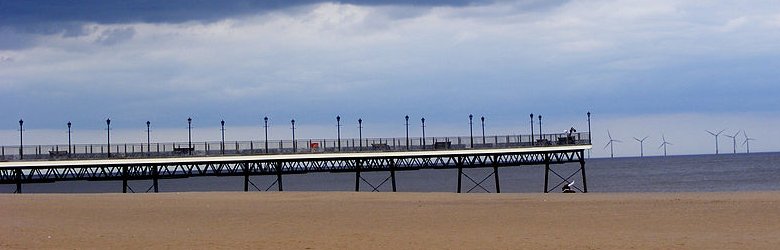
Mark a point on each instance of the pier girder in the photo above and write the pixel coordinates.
(216, 166)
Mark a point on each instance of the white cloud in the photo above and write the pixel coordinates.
(734, 24)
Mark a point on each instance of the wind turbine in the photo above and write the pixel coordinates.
(716, 139)
(641, 146)
(664, 143)
(734, 140)
(747, 141)
(610, 144)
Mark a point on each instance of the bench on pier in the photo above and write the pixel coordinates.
(380, 146)
(543, 142)
(566, 140)
(57, 153)
(183, 150)
(442, 145)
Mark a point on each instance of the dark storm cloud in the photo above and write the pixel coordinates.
(21, 21)
(44, 16)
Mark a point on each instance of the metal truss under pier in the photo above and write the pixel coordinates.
(19, 173)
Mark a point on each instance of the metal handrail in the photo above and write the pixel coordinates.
(257, 147)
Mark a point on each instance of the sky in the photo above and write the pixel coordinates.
(655, 68)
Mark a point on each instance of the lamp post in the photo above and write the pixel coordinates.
(148, 137)
(589, 127)
(21, 139)
(532, 129)
(423, 132)
(189, 133)
(589, 134)
(360, 133)
(471, 131)
(338, 131)
(483, 129)
(69, 144)
(295, 148)
(265, 125)
(407, 131)
(222, 146)
(540, 127)
(108, 136)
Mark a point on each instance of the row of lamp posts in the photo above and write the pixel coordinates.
(222, 129)
(292, 123)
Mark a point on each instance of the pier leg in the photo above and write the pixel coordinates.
(124, 179)
(357, 176)
(279, 175)
(246, 177)
(154, 179)
(460, 172)
(546, 171)
(495, 173)
(582, 169)
(392, 173)
(18, 181)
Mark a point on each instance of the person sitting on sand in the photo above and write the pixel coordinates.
(567, 188)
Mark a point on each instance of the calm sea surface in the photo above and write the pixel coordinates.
(696, 173)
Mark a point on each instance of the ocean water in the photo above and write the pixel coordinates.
(692, 173)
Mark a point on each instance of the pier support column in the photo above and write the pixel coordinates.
(279, 175)
(358, 165)
(155, 173)
(18, 173)
(124, 179)
(582, 170)
(546, 171)
(459, 163)
(246, 177)
(392, 173)
(494, 162)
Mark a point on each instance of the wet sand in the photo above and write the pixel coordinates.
(335, 220)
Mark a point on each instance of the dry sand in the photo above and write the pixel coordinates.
(333, 220)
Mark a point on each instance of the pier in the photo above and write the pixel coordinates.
(281, 158)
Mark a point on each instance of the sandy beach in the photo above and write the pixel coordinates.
(335, 220)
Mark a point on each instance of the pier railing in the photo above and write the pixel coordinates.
(215, 148)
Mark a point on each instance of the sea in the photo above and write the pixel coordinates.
(688, 173)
